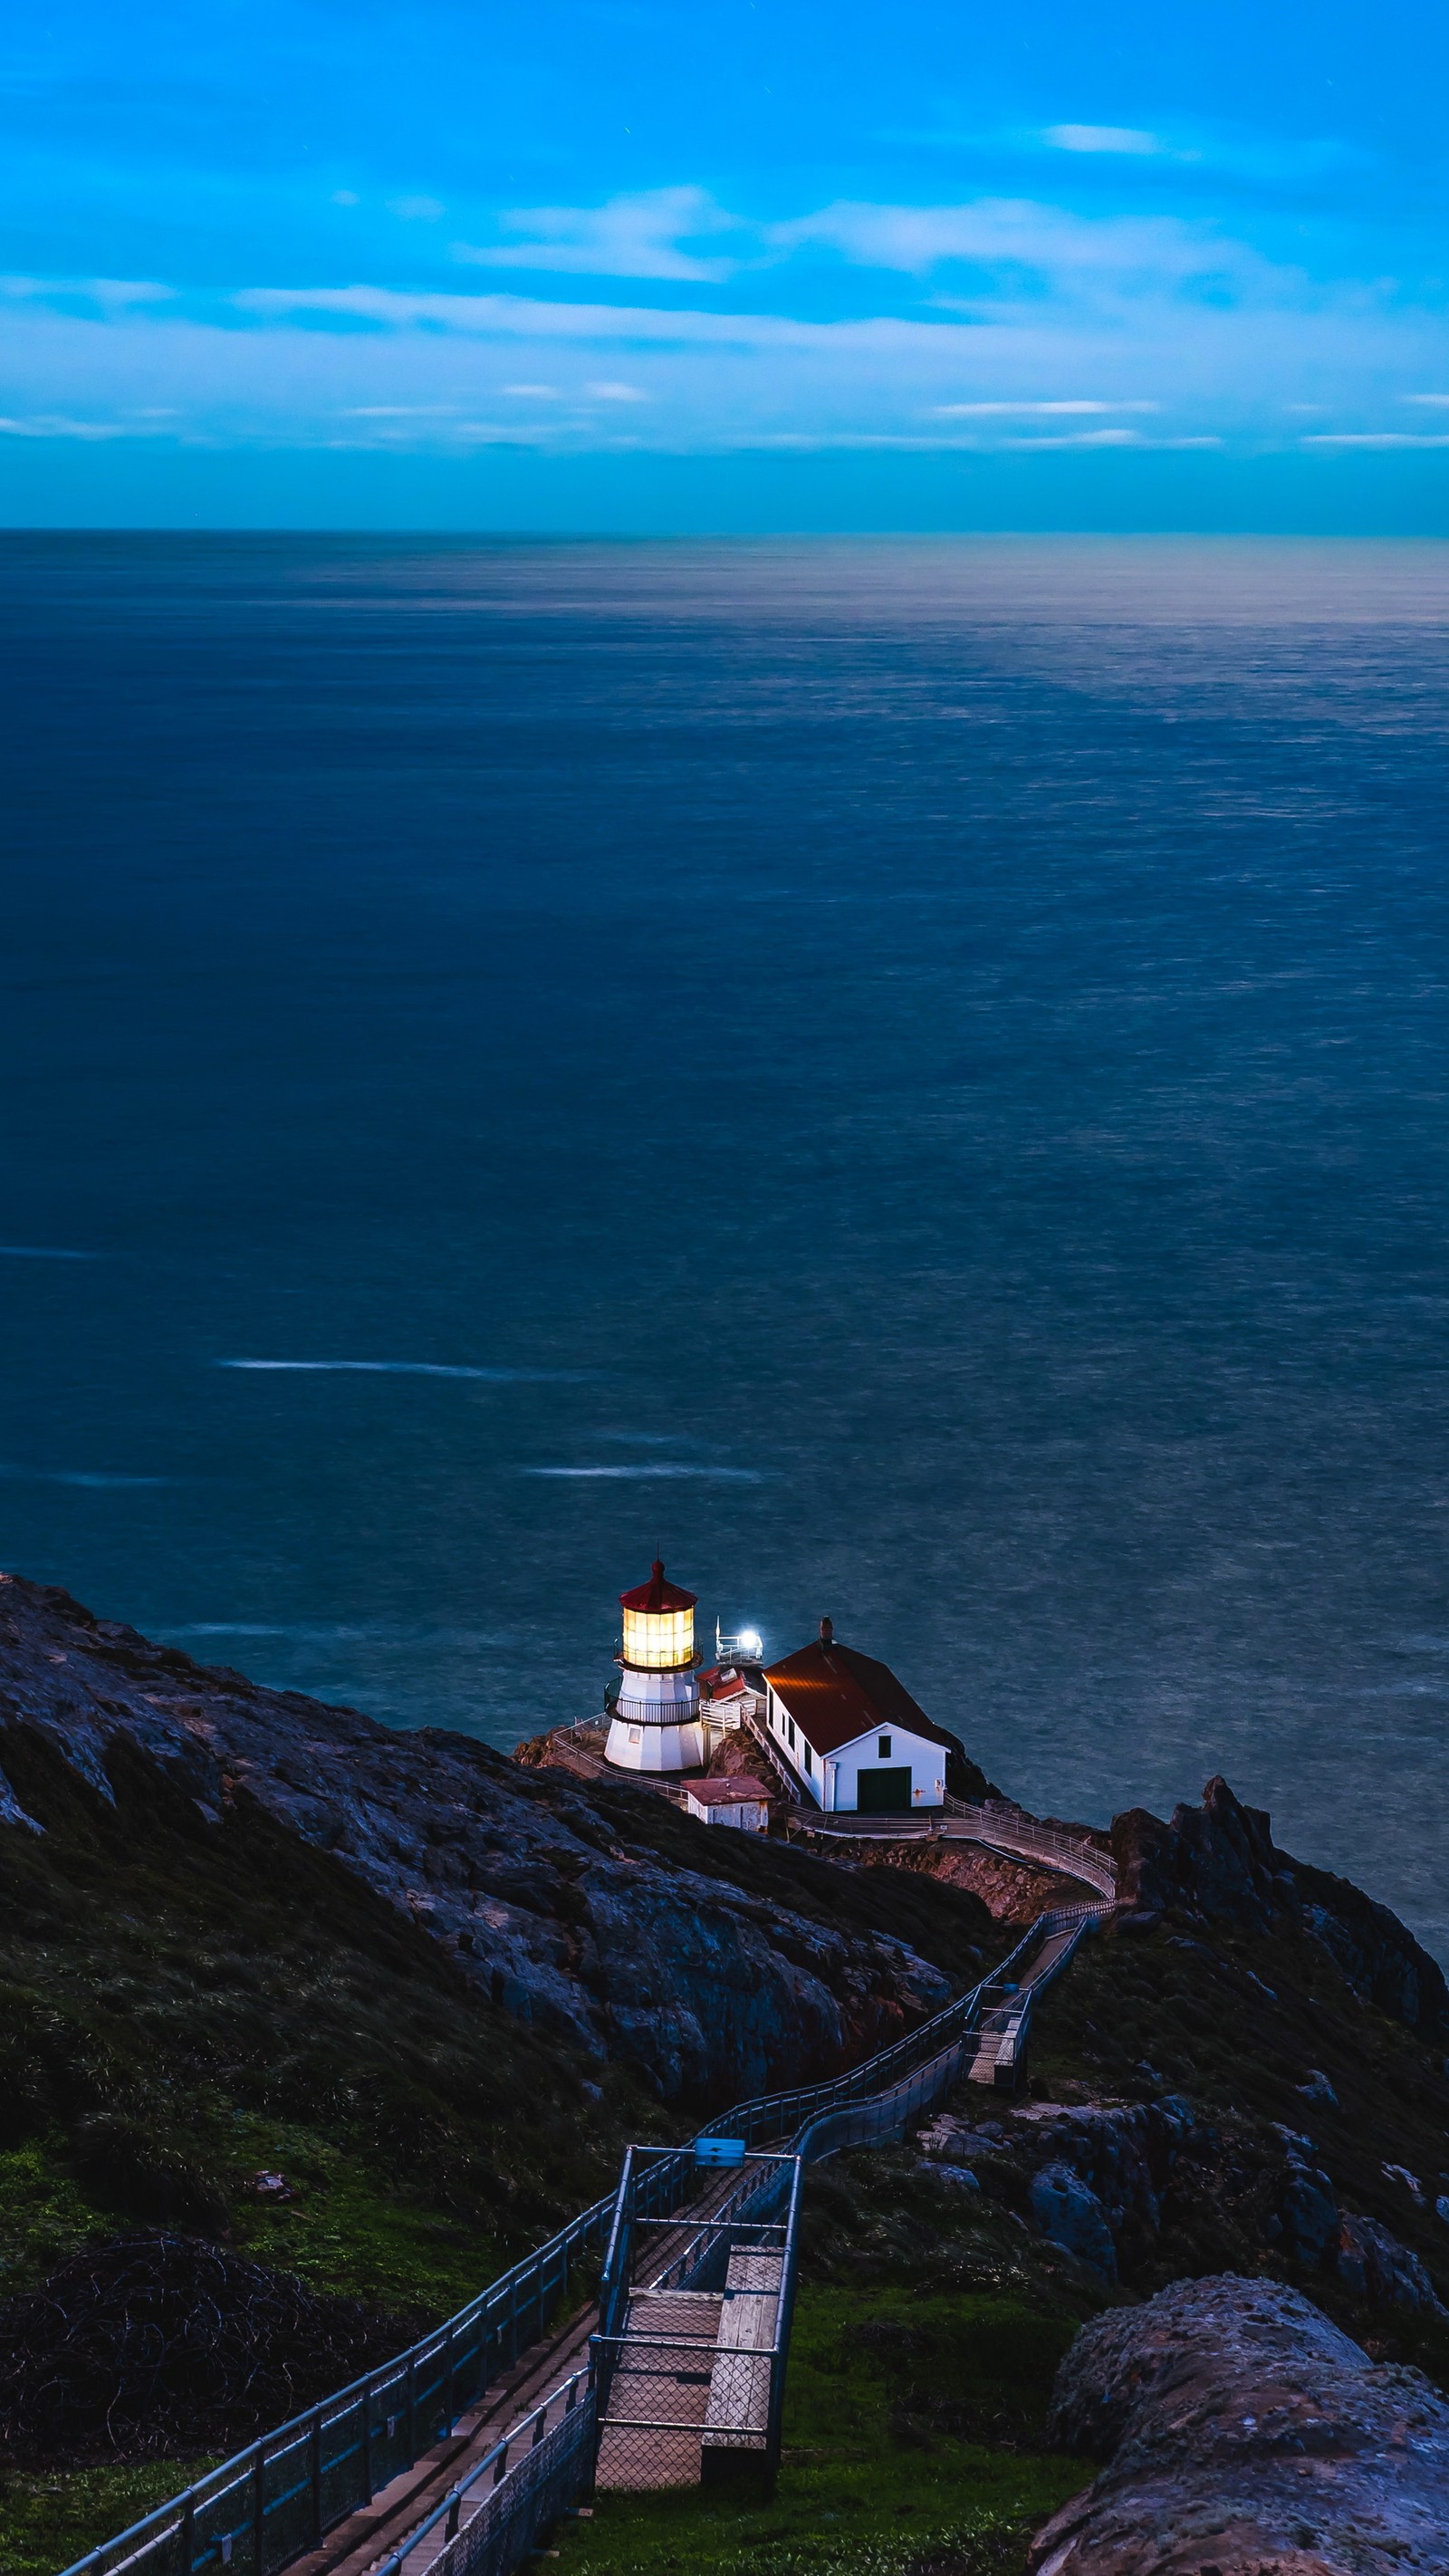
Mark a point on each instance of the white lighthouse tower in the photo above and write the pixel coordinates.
(656, 1718)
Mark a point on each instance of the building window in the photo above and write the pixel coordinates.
(809, 1765)
(633, 1734)
(790, 1731)
(883, 1747)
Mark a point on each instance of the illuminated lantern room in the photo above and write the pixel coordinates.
(658, 1625)
(655, 1724)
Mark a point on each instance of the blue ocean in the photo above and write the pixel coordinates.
(909, 1078)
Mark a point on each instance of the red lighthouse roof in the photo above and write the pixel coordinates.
(657, 1593)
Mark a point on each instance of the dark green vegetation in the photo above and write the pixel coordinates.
(927, 2335)
(51, 2517)
(1244, 2024)
(185, 2005)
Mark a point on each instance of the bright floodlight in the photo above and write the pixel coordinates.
(749, 1641)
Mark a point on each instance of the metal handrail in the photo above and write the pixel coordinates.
(465, 2353)
(496, 2461)
(779, 2114)
(995, 1823)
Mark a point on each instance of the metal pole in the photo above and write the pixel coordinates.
(367, 2444)
(188, 2535)
(315, 2441)
(259, 2509)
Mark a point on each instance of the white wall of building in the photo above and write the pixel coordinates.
(803, 1759)
(834, 1780)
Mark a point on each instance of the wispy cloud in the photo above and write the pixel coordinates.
(109, 294)
(638, 236)
(983, 323)
(1102, 138)
(1022, 238)
(1018, 410)
(1373, 438)
(56, 424)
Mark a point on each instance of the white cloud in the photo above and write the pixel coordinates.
(1014, 410)
(56, 425)
(1201, 337)
(1081, 438)
(1008, 236)
(636, 236)
(1101, 138)
(1371, 438)
(113, 294)
(344, 196)
(416, 210)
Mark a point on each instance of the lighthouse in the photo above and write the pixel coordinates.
(655, 1724)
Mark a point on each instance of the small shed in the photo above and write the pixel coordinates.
(734, 1801)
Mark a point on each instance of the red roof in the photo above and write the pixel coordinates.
(835, 1694)
(727, 1793)
(657, 1594)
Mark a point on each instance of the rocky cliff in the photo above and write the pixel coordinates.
(712, 1967)
(1218, 1864)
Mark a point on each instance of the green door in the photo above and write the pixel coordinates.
(884, 1793)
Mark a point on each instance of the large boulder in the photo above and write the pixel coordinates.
(1244, 2433)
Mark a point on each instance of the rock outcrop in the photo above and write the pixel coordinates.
(535, 1887)
(1245, 2433)
(1218, 1863)
(1110, 2182)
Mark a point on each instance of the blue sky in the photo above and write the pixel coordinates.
(549, 261)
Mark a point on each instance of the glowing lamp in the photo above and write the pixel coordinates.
(658, 1626)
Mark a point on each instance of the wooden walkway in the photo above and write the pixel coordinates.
(380, 2528)
(693, 2376)
(1001, 2022)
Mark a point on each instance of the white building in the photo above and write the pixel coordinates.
(854, 1737)
(655, 1724)
(729, 1801)
(728, 1695)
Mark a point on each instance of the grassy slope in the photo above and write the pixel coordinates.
(927, 2334)
(183, 2004)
